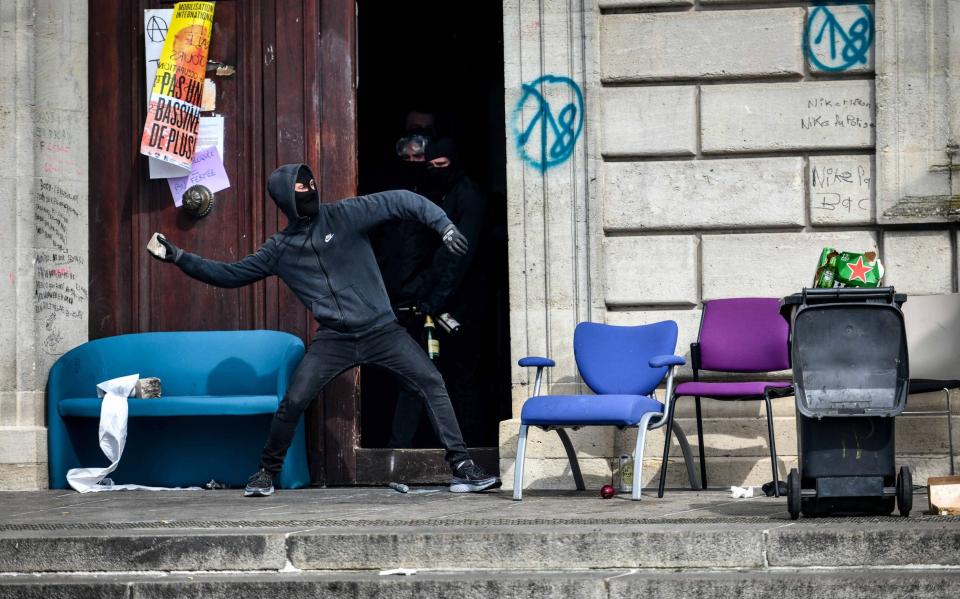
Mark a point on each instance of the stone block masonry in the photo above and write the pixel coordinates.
(787, 116)
(649, 121)
(701, 45)
(704, 194)
(650, 270)
(840, 190)
(728, 142)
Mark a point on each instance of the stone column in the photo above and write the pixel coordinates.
(43, 218)
(553, 226)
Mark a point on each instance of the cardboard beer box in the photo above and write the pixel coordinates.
(847, 269)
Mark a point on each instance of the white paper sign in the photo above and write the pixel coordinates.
(211, 133)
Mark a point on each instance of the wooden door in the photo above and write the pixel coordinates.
(293, 60)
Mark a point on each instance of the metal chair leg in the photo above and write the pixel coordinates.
(773, 446)
(638, 456)
(666, 446)
(703, 459)
(572, 458)
(518, 467)
(687, 457)
(950, 430)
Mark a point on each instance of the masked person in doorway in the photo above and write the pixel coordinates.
(419, 132)
(454, 287)
(404, 248)
(324, 257)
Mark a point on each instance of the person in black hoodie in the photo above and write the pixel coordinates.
(324, 257)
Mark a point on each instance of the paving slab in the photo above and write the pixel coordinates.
(364, 506)
(609, 584)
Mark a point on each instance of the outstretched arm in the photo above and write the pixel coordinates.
(220, 274)
(371, 210)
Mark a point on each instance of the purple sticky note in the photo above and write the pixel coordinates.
(207, 170)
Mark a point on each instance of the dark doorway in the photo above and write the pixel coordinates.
(444, 58)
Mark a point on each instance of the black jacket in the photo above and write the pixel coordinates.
(451, 283)
(325, 260)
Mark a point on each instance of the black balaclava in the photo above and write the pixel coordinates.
(441, 180)
(308, 202)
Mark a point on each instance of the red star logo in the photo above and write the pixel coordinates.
(859, 270)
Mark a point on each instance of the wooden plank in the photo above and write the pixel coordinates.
(416, 466)
(330, 91)
(112, 167)
(290, 38)
(271, 214)
(341, 425)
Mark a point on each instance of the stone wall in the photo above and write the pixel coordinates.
(43, 218)
(726, 143)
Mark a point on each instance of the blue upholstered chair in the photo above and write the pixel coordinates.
(623, 365)
(220, 390)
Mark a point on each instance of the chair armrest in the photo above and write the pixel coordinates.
(292, 356)
(666, 360)
(540, 364)
(695, 357)
(777, 392)
(536, 361)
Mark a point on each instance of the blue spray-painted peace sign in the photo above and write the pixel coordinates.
(548, 139)
(832, 47)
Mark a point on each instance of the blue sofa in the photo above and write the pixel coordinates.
(220, 390)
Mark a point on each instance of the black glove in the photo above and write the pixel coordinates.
(171, 253)
(454, 240)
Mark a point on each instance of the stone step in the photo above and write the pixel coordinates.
(522, 544)
(609, 584)
(784, 406)
(722, 472)
(723, 437)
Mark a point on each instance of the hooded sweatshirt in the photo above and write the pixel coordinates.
(326, 260)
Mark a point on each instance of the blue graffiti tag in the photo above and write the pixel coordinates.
(548, 140)
(832, 47)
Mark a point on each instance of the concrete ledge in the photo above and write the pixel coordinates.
(837, 584)
(125, 551)
(467, 585)
(653, 546)
(613, 584)
(865, 545)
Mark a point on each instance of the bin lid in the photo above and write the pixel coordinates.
(813, 296)
(849, 359)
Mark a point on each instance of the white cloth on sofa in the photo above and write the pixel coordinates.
(113, 437)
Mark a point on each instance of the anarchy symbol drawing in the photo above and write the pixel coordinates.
(156, 29)
(546, 138)
(832, 45)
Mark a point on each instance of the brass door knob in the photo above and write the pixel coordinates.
(198, 201)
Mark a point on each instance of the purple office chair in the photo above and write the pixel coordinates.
(743, 335)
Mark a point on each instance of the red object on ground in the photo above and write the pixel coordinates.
(607, 491)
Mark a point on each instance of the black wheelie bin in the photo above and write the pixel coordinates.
(848, 349)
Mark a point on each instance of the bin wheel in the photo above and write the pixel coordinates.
(904, 491)
(793, 493)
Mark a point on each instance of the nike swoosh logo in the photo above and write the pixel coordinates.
(328, 238)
